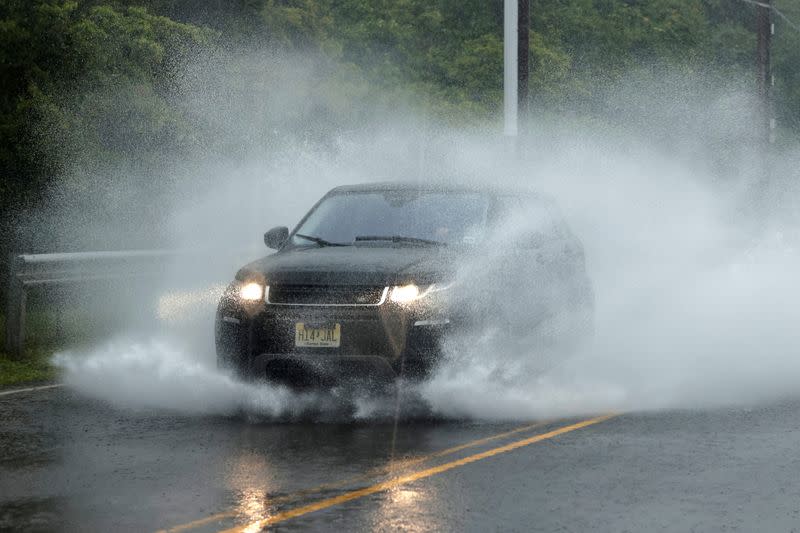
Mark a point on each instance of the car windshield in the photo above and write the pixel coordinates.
(367, 217)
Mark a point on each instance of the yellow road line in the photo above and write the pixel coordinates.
(402, 480)
(361, 477)
(470, 444)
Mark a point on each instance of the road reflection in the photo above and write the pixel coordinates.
(407, 508)
(330, 461)
(251, 480)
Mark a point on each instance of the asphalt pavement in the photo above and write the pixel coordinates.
(68, 463)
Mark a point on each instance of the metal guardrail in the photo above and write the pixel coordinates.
(27, 271)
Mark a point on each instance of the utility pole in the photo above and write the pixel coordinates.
(516, 21)
(764, 29)
(510, 68)
(523, 25)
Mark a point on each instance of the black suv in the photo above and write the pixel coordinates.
(376, 276)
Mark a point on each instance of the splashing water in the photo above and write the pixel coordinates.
(694, 269)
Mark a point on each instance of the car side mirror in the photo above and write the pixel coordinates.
(276, 237)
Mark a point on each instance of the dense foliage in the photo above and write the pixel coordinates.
(96, 76)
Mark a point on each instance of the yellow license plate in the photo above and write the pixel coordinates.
(305, 337)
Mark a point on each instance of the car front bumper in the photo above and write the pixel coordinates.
(385, 342)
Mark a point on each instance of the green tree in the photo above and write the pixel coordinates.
(52, 50)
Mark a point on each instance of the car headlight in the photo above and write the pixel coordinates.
(405, 294)
(251, 292)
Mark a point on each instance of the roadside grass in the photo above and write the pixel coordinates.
(47, 332)
(70, 317)
(34, 367)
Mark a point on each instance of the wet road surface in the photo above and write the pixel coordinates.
(73, 464)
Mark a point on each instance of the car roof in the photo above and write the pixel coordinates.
(411, 186)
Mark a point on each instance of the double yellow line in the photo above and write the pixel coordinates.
(400, 480)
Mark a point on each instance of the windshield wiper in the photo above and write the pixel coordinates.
(321, 242)
(399, 238)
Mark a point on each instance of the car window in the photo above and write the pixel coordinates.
(453, 218)
(527, 220)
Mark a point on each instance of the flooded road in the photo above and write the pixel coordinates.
(68, 463)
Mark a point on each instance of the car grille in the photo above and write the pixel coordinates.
(325, 295)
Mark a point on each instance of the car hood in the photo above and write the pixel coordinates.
(354, 265)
